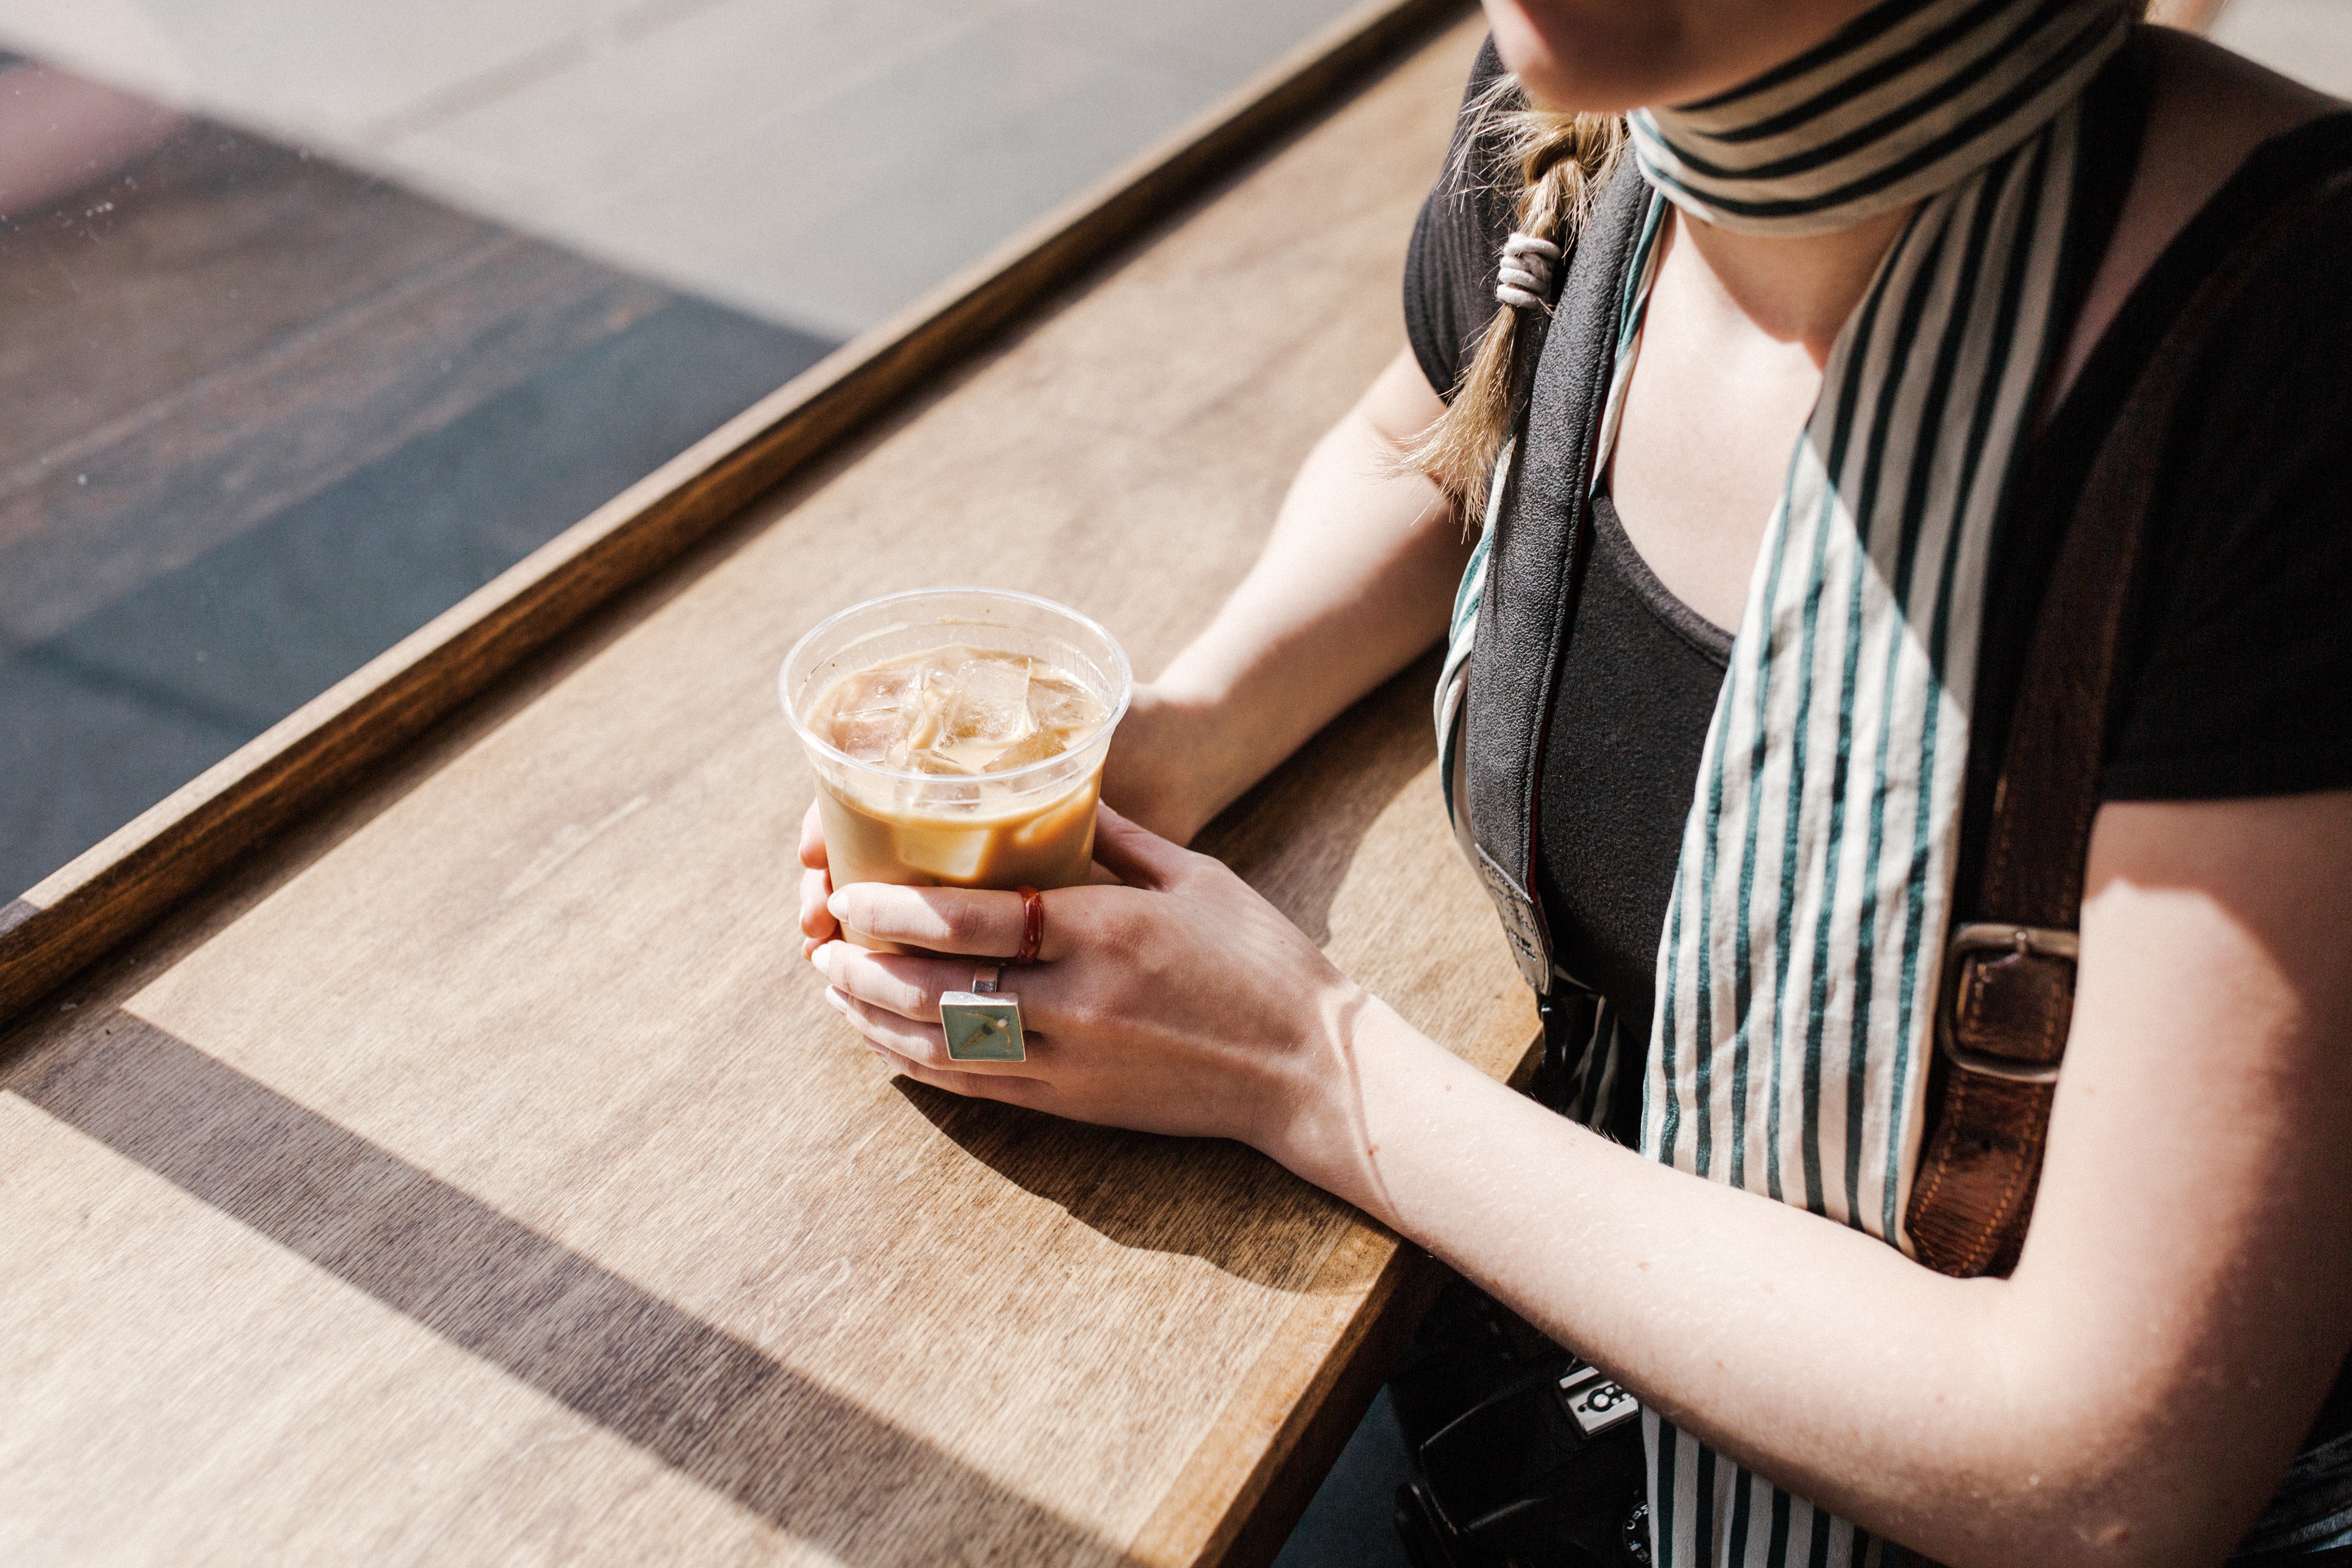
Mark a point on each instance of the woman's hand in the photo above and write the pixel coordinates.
(1181, 1002)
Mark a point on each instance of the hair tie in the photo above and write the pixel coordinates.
(1523, 276)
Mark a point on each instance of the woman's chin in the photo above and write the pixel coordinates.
(1610, 56)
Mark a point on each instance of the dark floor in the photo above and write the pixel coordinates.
(1347, 1524)
(269, 416)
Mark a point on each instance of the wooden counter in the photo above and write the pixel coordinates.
(476, 1174)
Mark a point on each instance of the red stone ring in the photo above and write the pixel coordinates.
(1033, 925)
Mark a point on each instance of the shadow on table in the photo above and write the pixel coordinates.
(1293, 837)
(712, 1406)
(1221, 1202)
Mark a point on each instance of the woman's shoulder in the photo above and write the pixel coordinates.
(1449, 280)
(2241, 656)
(2210, 116)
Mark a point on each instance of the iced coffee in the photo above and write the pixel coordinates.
(956, 738)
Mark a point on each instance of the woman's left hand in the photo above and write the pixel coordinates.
(1181, 1002)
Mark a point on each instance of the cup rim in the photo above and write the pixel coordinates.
(1027, 769)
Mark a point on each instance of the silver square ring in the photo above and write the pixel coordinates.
(982, 1024)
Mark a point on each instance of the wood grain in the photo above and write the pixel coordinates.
(1239, 1497)
(473, 1173)
(128, 880)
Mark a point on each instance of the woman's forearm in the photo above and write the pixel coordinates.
(1796, 1345)
(1356, 581)
(2130, 1395)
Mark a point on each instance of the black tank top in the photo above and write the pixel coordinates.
(1638, 683)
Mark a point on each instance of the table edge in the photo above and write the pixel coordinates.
(1229, 1510)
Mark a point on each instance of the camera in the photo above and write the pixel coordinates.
(1524, 1456)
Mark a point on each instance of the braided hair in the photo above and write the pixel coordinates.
(1561, 161)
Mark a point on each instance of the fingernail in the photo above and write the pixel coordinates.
(840, 1003)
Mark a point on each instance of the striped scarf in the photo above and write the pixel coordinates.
(1903, 103)
(1799, 969)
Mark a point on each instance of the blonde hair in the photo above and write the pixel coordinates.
(1561, 162)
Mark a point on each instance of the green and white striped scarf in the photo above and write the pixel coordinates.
(1799, 969)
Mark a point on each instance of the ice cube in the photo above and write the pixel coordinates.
(868, 714)
(990, 704)
(1038, 746)
(932, 690)
(948, 853)
(986, 709)
(884, 689)
(869, 738)
(1058, 703)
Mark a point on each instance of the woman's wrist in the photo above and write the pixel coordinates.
(1327, 1125)
(1151, 775)
(1187, 749)
(1237, 702)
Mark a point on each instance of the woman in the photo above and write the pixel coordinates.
(1892, 221)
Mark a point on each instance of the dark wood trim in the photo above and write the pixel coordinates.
(124, 884)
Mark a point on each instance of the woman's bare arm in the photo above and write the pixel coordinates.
(2130, 1396)
(1356, 579)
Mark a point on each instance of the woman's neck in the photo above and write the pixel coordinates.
(1797, 289)
(1738, 329)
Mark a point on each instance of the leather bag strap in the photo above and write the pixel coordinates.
(2008, 992)
(1533, 565)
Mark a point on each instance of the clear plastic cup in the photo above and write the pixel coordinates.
(1032, 825)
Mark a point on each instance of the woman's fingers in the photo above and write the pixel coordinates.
(946, 919)
(817, 923)
(907, 984)
(1135, 854)
(911, 986)
(904, 1036)
(812, 840)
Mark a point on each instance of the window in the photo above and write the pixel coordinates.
(314, 320)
